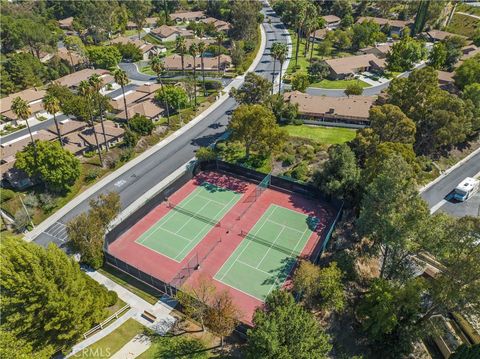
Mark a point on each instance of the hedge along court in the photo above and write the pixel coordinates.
(209, 228)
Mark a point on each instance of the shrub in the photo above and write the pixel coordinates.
(21, 220)
(47, 201)
(6, 195)
(92, 175)
(127, 154)
(297, 122)
(31, 200)
(130, 138)
(288, 160)
(141, 125)
(89, 154)
(300, 171)
(112, 298)
(213, 85)
(205, 154)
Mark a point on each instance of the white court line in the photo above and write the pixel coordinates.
(249, 265)
(271, 245)
(212, 200)
(243, 250)
(284, 225)
(192, 217)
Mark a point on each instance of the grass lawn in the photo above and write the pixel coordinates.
(321, 134)
(338, 84)
(463, 25)
(152, 39)
(113, 342)
(302, 61)
(142, 290)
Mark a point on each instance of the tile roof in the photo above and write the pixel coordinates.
(174, 62)
(71, 57)
(381, 21)
(441, 35)
(75, 78)
(353, 107)
(347, 65)
(118, 103)
(28, 95)
(331, 18)
(187, 15)
(148, 108)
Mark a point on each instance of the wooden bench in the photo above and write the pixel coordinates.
(149, 316)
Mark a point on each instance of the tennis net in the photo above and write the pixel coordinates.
(288, 251)
(189, 213)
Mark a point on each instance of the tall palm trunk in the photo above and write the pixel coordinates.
(58, 130)
(103, 129)
(203, 76)
(218, 59)
(99, 150)
(195, 80)
(273, 74)
(280, 82)
(125, 105)
(183, 64)
(312, 46)
(33, 142)
(297, 47)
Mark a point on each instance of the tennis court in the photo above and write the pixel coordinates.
(189, 221)
(268, 252)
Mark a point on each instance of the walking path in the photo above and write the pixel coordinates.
(467, 14)
(161, 310)
(133, 348)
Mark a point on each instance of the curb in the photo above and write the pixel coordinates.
(151, 151)
(449, 170)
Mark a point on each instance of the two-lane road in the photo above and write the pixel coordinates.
(132, 184)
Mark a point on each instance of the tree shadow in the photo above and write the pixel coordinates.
(216, 182)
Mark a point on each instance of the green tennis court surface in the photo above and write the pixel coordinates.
(180, 230)
(268, 252)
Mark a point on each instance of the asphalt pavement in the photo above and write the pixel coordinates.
(147, 173)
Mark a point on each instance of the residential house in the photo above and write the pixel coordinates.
(139, 101)
(346, 67)
(187, 16)
(319, 35)
(332, 21)
(379, 51)
(73, 58)
(32, 96)
(73, 80)
(396, 26)
(174, 63)
(148, 107)
(66, 24)
(148, 50)
(170, 33)
(150, 22)
(469, 51)
(131, 25)
(219, 25)
(446, 80)
(349, 110)
(438, 35)
(113, 133)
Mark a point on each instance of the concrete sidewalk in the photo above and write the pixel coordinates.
(139, 344)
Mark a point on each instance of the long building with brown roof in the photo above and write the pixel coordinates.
(348, 66)
(32, 96)
(353, 109)
(174, 62)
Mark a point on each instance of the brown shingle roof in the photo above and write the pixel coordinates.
(165, 31)
(68, 126)
(9, 149)
(187, 15)
(331, 18)
(66, 23)
(381, 21)
(130, 97)
(111, 132)
(445, 77)
(353, 107)
(148, 108)
(470, 51)
(174, 62)
(28, 95)
(75, 78)
(348, 65)
(441, 35)
(148, 88)
(71, 57)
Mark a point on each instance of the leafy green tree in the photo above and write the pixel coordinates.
(453, 47)
(346, 21)
(130, 138)
(392, 216)
(47, 301)
(390, 124)
(205, 154)
(129, 52)
(468, 72)
(12, 347)
(138, 11)
(283, 329)
(340, 176)
(256, 128)
(52, 106)
(57, 168)
(388, 313)
(222, 315)
(104, 57)
(318, 70)
(141, 125)
(476, 37)
(255, 90)
(343, 39)
(342, 8)
(74, 44)
(105, 208)
(245, 19)
(238, 54)
(300, 82)
(437, 56)
(320, 288)
(24, 70)
(404, 54)
(366, 34)
(176, 97)
(471, 95)
(353, 89)
(37, 34)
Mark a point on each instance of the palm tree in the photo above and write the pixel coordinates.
(317, 25)
(121, 78)
(220, 39)
(158, 67)
(22, 110)
(201, 49)
(274, 54)
(282, 53)
(193, 50)
(97, 83)
(52, 106)
(86, 91)
(181, 48)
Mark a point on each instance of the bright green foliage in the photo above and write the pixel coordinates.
(340, 176)
(172, 346)
(130, 138)
(129, 51)
(390, 124)
(453, 47)
(388, 313)
(318, 70)
(438, 56)
(300, 82)
(12, 347)
(244, 18)
(366, 34)
(320, 288)
(392, 215)
(468, 72)
(57, 168)
(255, 90)
(471, 95)
(86, 231)
(256, 128)
(141, 125)
(105, 57)
(24, 70)
(46, 299)
(205, 154)
(175, 96)
(283, 329)
(353, 89)
(405, 53)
